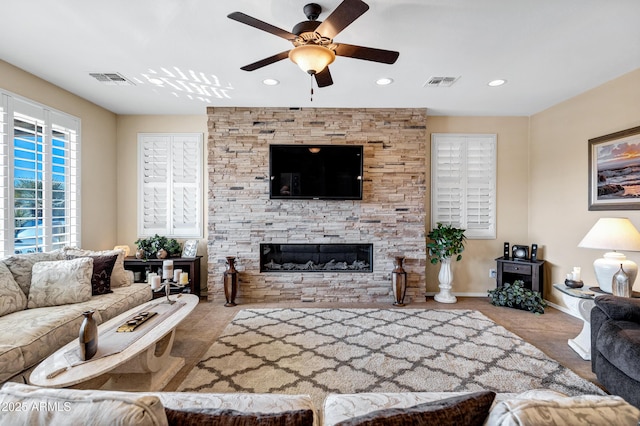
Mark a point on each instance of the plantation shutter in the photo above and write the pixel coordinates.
(170, 184)
(40, 174)
(463, 182)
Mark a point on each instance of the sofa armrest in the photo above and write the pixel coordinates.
(619, 308)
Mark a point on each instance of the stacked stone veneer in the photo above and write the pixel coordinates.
(390, 216)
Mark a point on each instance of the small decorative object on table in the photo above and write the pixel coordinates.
(230, 282)
(190, 248)
(167, 275)
(620, 283)
(88, 336)
(573, 284)
(398, 281)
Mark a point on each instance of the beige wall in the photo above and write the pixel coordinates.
(98, 152)
(471, 274)
(558, 180)
(128, 127)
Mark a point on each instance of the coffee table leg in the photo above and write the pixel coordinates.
(150, 371)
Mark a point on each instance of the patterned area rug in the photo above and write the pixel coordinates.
(322, 351)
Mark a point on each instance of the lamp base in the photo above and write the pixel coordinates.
(608, 265)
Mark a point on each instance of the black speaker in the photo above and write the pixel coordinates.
(520, 252)
(506, 250)
(534, 252)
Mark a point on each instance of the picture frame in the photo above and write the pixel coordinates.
(190, 248)
(614, 171)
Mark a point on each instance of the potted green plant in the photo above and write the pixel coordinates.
(447, 242)
(158, 246)
(517, 296)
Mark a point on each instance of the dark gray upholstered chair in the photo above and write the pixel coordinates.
(615, 345)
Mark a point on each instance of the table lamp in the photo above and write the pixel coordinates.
(613, 233)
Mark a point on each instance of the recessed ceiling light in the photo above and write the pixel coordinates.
(385, 81)
(270, 82)
(496, 83)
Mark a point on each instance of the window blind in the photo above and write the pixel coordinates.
(463, 182)
(170, 184)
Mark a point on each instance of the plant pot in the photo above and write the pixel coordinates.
(445, 278)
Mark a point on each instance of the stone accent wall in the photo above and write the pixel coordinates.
(391, 214)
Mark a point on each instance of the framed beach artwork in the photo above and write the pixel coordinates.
(614, 171)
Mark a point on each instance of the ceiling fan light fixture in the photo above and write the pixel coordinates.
(312, 58)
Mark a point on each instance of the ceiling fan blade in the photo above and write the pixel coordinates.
(367, 53)
(343, 15)
(323, 78)
(261, 25)
(266, 61)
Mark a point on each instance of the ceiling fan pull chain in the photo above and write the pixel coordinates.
(311, 75)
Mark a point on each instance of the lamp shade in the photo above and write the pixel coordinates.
(312, 58)
(613, 234)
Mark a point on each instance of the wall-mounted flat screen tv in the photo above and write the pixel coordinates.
(324, 172)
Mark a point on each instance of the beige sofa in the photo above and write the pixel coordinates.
(26, 404)
(43, 295)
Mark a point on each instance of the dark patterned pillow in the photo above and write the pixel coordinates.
(101, 276)
(470, 409)
(227, 417)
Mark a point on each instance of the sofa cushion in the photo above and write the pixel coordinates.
(101, 275)
(20, 266)
(548, 407)
(12, 298)
(122, 299)
(619, 343)
(119, 277)
(229, 417)
(470, 409)
(33, 405)
(619, 308)
(60, 282)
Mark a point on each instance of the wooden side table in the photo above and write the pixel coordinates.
(530, 272)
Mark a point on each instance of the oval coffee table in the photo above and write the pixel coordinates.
(145, 364)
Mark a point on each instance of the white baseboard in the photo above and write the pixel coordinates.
(553, 305)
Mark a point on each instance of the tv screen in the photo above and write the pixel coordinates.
(331, 172)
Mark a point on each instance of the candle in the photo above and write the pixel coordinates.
(155, 282)
(167, 269)
(176, 275)
(184, 278)
(576, 273)
(570, 276)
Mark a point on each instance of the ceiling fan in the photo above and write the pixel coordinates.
(314, 48)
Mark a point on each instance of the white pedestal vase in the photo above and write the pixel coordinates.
(445, 277)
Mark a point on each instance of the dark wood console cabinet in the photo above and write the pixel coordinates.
(530, 272)
(187, 264)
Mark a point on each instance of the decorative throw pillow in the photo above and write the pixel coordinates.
(469, 409)
(101, 275)
(12, 298)
(119, 277)
(228, 417)
(20, 266)
(60, 282)
(538, 407)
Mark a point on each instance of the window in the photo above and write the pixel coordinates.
(39, 170)
(170, 184)
(463, 182)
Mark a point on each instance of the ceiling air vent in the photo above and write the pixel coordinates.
(440, 81)
(111, 79)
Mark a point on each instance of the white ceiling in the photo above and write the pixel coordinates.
(547, 50)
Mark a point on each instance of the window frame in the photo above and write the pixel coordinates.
(174, 227)
(47, 164)
(467, 144)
